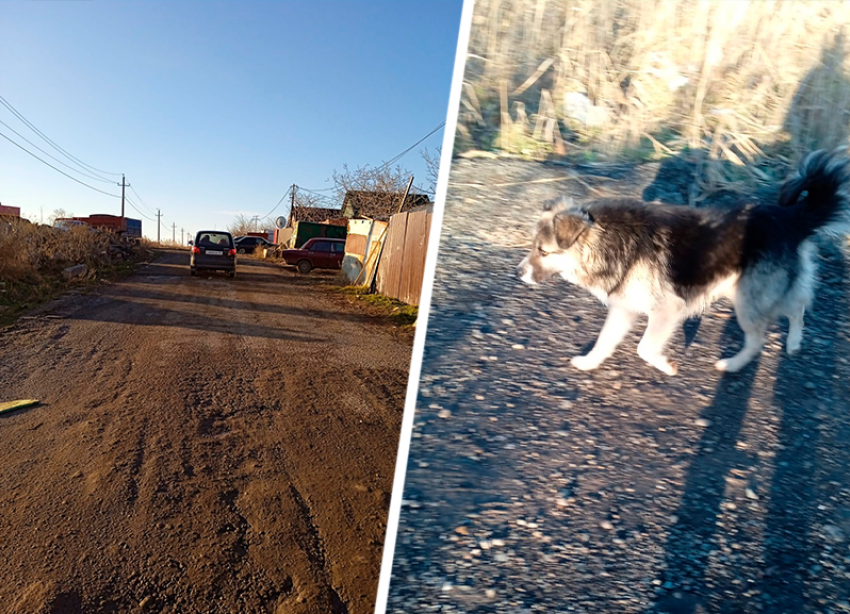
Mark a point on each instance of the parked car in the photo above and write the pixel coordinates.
(247, 244)
(317, 253)
(213, 250)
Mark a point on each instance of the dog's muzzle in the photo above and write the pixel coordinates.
(525, 273)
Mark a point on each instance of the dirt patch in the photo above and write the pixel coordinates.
(202, 445)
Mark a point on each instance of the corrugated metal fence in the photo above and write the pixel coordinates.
(402, 266)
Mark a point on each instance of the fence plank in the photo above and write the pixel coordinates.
(392, 260)
(415, 250)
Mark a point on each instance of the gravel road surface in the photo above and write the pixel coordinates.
(203, 445)
(533, 487)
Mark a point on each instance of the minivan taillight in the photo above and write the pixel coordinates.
(196, 249)
(232, 252)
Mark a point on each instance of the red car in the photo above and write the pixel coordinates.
(317, 253)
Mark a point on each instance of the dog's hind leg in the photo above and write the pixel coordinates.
(618, 323)
(661, 326)
(755, 328)
(799, 298)
(795, 331)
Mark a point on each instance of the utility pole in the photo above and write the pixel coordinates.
(123, 185)
(292, 207)
(173, 232)
(181, 237)
(158, 224)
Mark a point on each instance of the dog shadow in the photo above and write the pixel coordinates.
(805, 386)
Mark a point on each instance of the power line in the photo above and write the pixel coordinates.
(56, 169)
(139, 211)
(278, 203)
(406, 151)
(141, 200)
(9, 106)
(52, 157)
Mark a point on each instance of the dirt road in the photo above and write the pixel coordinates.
(533, 487)
(203, 445)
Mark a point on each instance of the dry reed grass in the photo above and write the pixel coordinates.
(32, 258)
(31, 251)
(746, 84)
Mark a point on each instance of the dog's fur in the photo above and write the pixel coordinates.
(672, 262)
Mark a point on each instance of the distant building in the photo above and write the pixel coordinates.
(312, 214)
(10, 211)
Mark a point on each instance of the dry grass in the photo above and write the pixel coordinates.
(741, 82)
(32, 258)
(30, 251)
(170, 244)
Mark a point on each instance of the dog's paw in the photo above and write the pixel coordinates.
(667, 366)
(584, 363)
(727, 365)
(792, 348)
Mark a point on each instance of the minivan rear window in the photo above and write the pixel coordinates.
(213, 239)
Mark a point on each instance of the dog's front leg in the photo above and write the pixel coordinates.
(660, 327)
(617, 325)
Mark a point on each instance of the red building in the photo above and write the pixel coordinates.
(13, 211)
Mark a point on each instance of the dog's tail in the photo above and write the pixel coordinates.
(825, 178)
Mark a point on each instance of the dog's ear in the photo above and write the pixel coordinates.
(569, 226)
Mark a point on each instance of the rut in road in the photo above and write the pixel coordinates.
(203, 445)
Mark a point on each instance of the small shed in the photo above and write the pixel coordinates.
(362, 246)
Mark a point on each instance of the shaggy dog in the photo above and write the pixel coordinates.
(672, 262)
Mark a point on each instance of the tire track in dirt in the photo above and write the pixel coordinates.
(180, 463)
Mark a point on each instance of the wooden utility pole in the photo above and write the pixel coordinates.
(158, 224)
(292, 207)
(173, 232)
(181, 237)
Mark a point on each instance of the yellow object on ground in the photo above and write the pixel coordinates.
(13, 405)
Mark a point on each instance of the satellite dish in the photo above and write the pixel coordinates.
(280, 222)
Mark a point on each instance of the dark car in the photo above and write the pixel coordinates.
(247, 244)
(317, 253)
(213, 250)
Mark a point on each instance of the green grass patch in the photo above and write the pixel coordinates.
(400, 313)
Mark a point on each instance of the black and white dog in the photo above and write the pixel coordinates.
(672, 262)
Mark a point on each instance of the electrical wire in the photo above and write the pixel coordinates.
(277, 205)
(54, 158)
(9, 106)
(399, 156)
(139, 211)
(141, 200)
(56, 169)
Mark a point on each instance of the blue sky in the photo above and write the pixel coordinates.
(216, 108)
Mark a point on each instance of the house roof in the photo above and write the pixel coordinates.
(379, 205)
(314, 214)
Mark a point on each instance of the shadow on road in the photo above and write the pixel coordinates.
(216, 302)
(122, 311)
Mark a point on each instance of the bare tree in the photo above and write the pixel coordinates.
(373, 191)
(432, 168)
(57, 215)
(242, 225)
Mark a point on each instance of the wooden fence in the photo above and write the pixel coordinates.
(402, 266)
